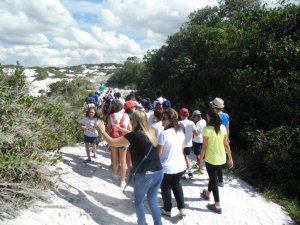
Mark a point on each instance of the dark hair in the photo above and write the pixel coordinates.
(158, 113)
(215, 120)
(117, 106)
(172, 115)
(117, 95)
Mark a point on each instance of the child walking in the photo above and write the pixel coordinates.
(188, 128)
(89, 124)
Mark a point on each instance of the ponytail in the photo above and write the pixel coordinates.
(215, 120)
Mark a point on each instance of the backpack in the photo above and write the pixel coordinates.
(114, 131)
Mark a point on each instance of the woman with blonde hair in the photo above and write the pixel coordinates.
(149, 175)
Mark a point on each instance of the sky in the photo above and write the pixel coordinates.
(71, 32)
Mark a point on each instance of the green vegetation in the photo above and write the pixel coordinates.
(249, 56)
(244, 53)
(32, 128)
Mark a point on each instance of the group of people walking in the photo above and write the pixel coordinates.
(150, 139)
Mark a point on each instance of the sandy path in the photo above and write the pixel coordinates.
(85, 194)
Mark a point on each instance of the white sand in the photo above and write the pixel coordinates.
(85, 194)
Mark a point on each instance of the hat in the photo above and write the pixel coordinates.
(160, 100)
(217, 103)
(129, 104)
(166, 104)
(184, 112)
(144, 101)
(196, 113)
(156, 102)
(149, 106)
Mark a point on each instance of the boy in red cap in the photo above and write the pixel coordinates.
(188, 128)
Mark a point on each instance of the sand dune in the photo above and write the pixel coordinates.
(85, 194)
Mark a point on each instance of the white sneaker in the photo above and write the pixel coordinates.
(123, 184)
(165, 213)
(115, 177)
(182, 212)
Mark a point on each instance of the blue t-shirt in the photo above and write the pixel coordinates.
(224, 119)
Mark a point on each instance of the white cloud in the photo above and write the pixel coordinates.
(28, 22)
(162, 17)
(70, 32)
(65, 43)
(110, 19)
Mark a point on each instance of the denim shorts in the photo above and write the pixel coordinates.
(120, 148)
(187, 150)
(197, 148)
(90, 140)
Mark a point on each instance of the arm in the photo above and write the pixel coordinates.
(228, 151)
(123, 130)
(83, 127)
(108, 128)
(227, 131)
(117, 142)
(160, 149)
(196, 132)
(204, 148)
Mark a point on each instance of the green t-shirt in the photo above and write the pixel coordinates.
(215, 152)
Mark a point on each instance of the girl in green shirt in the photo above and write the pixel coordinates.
(215, 146)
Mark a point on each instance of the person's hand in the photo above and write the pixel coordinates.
(101, 126)
(230, 164)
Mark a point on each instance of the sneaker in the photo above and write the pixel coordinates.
(191, 175)
(123, 184)
(87, 160)
(213, 208)
(195, 166)
(165, 213)
(204, 195)
(182, 212)
(115, 177)
(184, 177)
(220, 184)
(198, 171)
(95, 156)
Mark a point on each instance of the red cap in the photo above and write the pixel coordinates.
(184, 112)
(129, 104)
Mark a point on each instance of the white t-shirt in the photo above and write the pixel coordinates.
(199, 127)
(150, 117)
(91, 132)
(188, 126)
(158, 127)
(172, 158)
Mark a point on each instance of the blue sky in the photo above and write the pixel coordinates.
(71, 32)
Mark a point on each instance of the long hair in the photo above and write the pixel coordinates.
(139, 122)
(96, 115)
(172, 115)
(215, 120)
(158, 113)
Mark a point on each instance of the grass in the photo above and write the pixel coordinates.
(243, 170)
(292, 206)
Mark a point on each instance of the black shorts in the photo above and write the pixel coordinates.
(90, 140)
(187, 150)
(197, 148)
